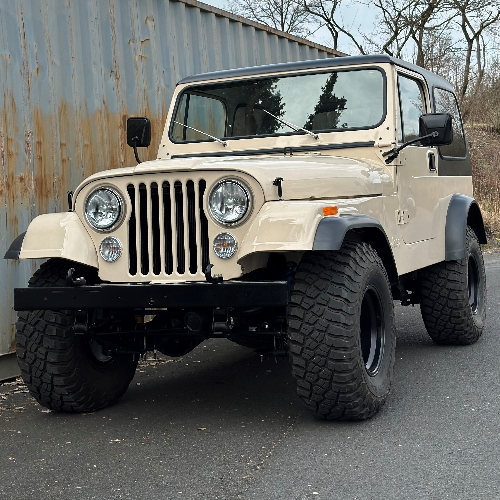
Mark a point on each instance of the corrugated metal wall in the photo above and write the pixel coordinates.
(72, 71)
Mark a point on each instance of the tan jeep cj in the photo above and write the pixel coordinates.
(289, 206)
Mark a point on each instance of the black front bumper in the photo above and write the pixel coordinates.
(171, 295)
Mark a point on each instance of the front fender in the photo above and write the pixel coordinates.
(300, 226)
(58, 235)
(283, 226)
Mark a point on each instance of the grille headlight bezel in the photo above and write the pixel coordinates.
(116, 198)
(217, 190)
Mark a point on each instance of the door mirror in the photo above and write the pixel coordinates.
(138, 132)
(436, 122)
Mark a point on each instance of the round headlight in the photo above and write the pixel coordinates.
(103, 208)
(110, 249)
(225, 245)
(229, 201)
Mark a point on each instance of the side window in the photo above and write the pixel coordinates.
(446, 103)
(202, 113)
(411, 105)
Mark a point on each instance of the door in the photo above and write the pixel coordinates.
(416, 175)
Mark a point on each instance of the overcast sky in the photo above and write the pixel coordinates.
(354, 16)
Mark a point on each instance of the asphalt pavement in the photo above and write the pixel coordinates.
(224, 423)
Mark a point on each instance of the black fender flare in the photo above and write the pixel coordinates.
(15, 247)
(331, 231)
(462, 211)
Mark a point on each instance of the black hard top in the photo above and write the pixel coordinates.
(330, 62)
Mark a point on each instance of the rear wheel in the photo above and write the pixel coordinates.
(63, 370)
(341, 332)
(453, 297)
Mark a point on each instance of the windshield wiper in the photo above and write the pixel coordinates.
(293, 127)
(220, 141)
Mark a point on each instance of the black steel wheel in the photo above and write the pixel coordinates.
(341, 332)
(372, 331)
(62, 370)
(453, 297)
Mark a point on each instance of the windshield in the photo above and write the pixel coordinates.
(322, 102)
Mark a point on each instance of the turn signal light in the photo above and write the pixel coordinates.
(330, 210)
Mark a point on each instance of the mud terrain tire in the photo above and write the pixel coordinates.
(341, 332)
(453, 297)
(59, 368)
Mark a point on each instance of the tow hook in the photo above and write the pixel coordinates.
(215, 279)
(74, 281)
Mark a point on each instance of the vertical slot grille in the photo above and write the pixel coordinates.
(205, 258)
(155, 223)
(193, 254)
(143, 228)
(132, 234)
(179, 226)
(167, 229)
(167, 209)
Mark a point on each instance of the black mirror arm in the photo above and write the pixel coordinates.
(394, 152)
(135, 150)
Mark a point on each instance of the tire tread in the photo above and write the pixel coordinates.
(324, 349)
(46, 346)
(445, 305)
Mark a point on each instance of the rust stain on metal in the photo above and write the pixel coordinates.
(2, 163)
(103, 135)
(42, 160)
(65, 97)
(10, 152)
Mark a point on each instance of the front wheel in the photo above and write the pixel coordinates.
(341, 331)
(453, 297)
(62, 370)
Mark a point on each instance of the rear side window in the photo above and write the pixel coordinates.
(446, 102)
(411, 105)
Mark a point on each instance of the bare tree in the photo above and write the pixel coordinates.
(475, 17)
(283, 15)
(393, 28)
(429, 18)
(327, 13)
(483, 106)
(425, 28)
(442, 55)
(405, 23)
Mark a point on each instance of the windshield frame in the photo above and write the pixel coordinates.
(197, 85)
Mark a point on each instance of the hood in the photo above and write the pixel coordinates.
(304, 176)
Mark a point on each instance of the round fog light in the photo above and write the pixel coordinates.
(225, 245)
(110, 249)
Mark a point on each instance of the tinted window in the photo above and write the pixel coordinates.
(337, 100)
(446, 103)
(412, 105)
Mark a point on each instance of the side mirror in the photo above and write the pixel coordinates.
(436, 122)
(138, 132)
(434, 130)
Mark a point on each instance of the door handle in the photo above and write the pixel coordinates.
(431, 161)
